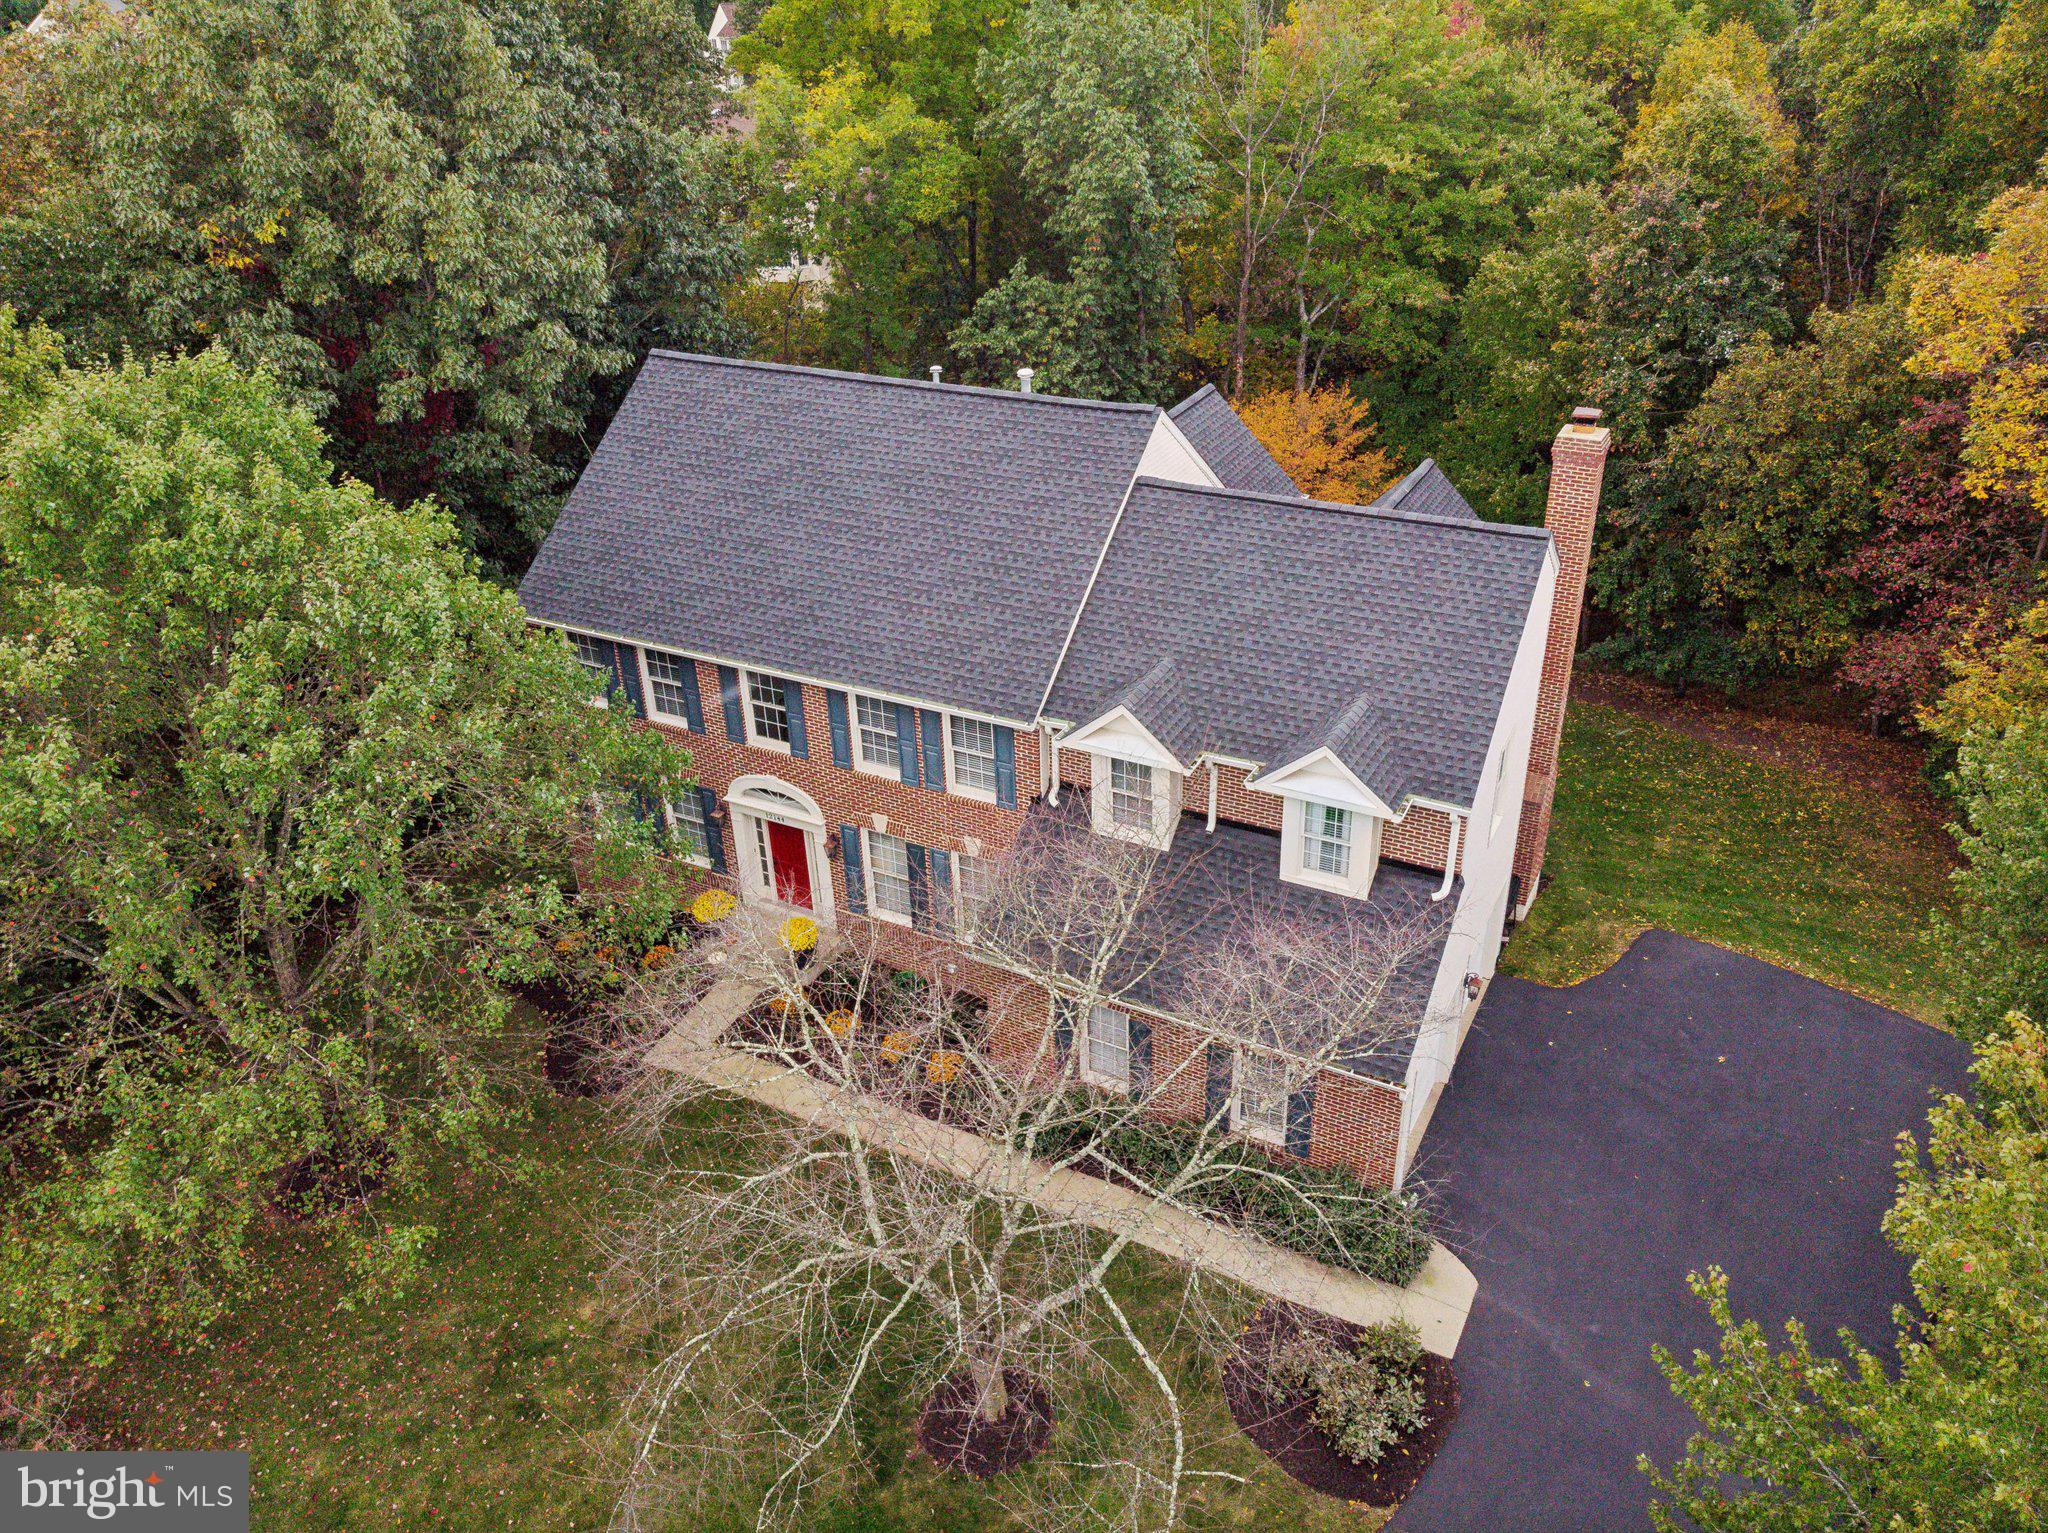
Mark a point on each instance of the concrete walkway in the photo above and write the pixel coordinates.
(1436, 1303)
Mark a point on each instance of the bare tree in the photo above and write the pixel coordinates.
(1272, 96)
(907, 1228)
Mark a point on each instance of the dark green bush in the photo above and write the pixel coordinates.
(1327, 1214)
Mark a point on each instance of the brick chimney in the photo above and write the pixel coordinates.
(1578, 462)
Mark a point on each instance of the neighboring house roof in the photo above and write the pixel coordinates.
(1227, 445)
(1427, 491)
(924, 539)
(1387, 635)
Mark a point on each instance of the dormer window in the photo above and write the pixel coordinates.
(1131, 797)
(1326, 839)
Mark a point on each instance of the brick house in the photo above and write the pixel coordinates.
(892, 618)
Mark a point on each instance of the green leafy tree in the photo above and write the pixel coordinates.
(1097, 101)
(287, 793)
(1783, 461)
(1792, 1440)
(1997, 941)
(435, 226)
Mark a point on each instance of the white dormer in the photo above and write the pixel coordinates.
(1137, 780)
(1330, 823)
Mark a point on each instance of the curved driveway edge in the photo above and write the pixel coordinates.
(1688, 1106)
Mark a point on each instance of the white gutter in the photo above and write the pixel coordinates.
(1450, 860)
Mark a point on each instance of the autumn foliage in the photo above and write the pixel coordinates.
(1323, 440)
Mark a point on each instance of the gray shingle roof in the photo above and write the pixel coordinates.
(1227, 445)
(1427, 491)
(1281, 615)
(1159, 701)
(923, 539)
(1212, 885)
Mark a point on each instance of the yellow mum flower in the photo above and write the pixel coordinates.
(897, 1046)
(944, 1066)
(840, 1024)
(712, 906)
(799, 934)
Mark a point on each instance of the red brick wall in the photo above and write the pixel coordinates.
(1578, 462)
(926, 816)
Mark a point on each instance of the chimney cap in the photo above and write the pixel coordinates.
(1586, 415)
(1024, 377)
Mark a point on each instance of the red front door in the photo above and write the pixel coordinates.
(788, 851)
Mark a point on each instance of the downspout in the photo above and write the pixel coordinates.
(1052, 757)
(1212, 793)
(1450, 859)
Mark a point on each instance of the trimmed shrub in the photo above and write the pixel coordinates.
(1324, 1214)
(1366, 1396)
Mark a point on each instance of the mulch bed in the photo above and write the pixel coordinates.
(954, 1435)
(314, 1186)
(1284, 1428)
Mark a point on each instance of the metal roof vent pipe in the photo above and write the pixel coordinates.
(936, 370)
(1024, 377)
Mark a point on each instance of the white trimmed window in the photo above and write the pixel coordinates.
(686, 814)
(665, 684)
(1259, 1104)
(1108, 1059)
(888, 875)
(767, 709)
(593, 655)
(973, 882)
(972, 755)
(1326, 840)
(875, 747)
(1131, 798)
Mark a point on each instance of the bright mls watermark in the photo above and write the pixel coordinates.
(161, 1492)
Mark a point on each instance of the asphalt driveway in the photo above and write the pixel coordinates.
(1689, 1106)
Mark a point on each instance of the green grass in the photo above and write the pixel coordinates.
(473, 1402)
(1656, 828)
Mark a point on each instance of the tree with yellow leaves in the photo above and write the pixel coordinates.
(1322, 438)
(1980, 323)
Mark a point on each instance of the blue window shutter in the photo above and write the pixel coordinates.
(906, 743)
(1141, 1058)
(1006, 766)
(942, 886)
(920, 886)
(714, 831)
(1301, 1118)
(1222, 1064)
(693, 702)
(842, 729)
(729, 691)
(849, 859)
(934, 729)
(793, 700)
(1062, 1028)
(626, 674)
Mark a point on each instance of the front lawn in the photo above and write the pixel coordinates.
(470, 1404)
(1657, 828)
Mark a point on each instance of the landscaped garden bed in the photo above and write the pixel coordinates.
(1356, 1412)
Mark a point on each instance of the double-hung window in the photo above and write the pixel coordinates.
(1326, 840)
(1109, 1046)
(665, 684)
(594, 655)
(767, 709)
(888, 875)
(1259, 1107)
(972, 885)
(973, 751)
(1130, 794)
(875, 725)
(686, 814)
